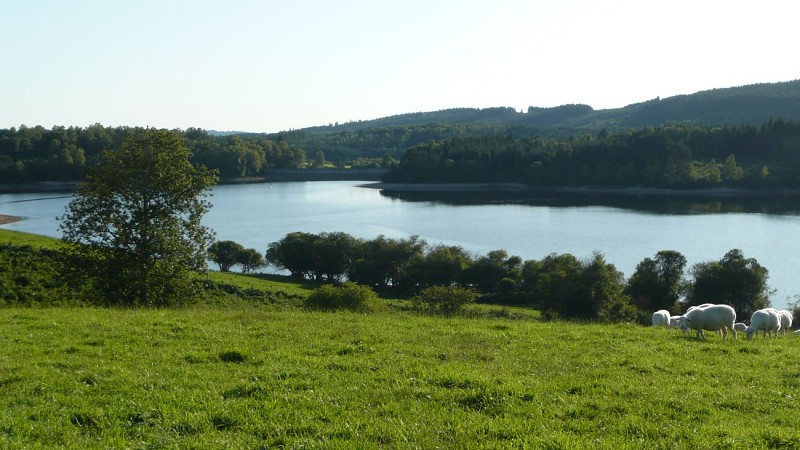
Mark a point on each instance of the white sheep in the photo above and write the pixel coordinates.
(786, 320)
(674, 322)
(711, 318)
(661, 318)
(740, 326)
(766, 320)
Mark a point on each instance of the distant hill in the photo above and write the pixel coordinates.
(751, 104)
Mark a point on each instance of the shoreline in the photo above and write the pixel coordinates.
(368, 175)
(6, 219)
(581, 190)
(270, 176)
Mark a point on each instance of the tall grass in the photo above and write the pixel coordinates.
(254, 377)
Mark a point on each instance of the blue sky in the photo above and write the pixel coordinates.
(278, 65)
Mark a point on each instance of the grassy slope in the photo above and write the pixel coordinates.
(269, 283)
(249, 377)
(33, 240)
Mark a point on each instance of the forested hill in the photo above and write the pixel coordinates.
(761, 116)
(745, 105)
(753, 104)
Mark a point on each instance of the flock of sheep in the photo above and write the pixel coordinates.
(713, 317)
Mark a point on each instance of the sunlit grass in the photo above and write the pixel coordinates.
(19, 238)
(265, 282)
(250, 377)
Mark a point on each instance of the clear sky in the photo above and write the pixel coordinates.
(273, 65)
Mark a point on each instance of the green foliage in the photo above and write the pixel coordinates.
(684, 156)
(33, 277)
(567, 288)
(39, 154)
(733, 280)
(487, 272)
(658, 283)
(293, 253)
(349, 296)
(225, 254)
(444, 300)
(251, 260)
(249, 378)
(229, 253)
(327, 256)
(134, 226)
(441, 265)
(382, 262)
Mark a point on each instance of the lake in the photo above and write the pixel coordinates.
(625, 230)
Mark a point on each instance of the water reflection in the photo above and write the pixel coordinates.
(679, 204)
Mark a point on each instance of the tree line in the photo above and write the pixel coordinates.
(560, 285)
(685, 156)
(668, 156)
(64, 153)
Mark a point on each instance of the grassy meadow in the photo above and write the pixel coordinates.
(253, 377)
(271, 375)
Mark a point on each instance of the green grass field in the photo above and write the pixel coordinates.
(33, 240)
(253, 377)
(240, 374)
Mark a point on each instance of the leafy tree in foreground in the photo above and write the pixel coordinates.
(135, 221)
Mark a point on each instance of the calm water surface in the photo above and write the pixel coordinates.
(257, 214)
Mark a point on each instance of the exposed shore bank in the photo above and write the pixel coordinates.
(582, 190)
(4, 219)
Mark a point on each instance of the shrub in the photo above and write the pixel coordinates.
(445, 300)
(349, 296)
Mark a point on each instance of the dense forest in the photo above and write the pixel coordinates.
(670, 156)
(735, 136)
(752, 104)
(61, 154)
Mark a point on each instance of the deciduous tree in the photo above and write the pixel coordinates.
(136, 221)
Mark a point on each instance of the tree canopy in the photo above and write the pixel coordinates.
(135, 221)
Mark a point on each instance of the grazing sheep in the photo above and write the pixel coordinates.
(661, 318)
(786, 320)
(767, 320)
(740, 326)
(711, 318)
(695, 307)
(674, 322)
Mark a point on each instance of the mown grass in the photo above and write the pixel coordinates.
(253, 377)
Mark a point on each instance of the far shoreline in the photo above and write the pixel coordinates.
(634, 191)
